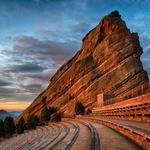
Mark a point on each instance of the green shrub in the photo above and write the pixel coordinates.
(9, 125)
(2, 130)
(88, 111)
(52, 110)
(79, 108)
(56, 116)
(20, 127)
(32, 122)
(45, 115)
(37, 120)
(26, 126)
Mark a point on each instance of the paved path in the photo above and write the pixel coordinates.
(68, 137)
(112, 140)
(84, 139)
(57, 136)
(139, 126)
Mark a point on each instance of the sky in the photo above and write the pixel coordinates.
(38, 36)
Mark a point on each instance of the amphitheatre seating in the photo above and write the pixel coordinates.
(122, 116)
(137, 135)
(68, 134)
(95, 144)
(41, 140)
(137, 109)
(79, 133)
(45, 137)
(68, 139)
(31, 143)
(19, 141)
(58, 138)
(29, 139)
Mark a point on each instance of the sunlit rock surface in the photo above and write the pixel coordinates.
(109, 60)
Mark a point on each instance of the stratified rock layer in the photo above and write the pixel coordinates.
(109, 60)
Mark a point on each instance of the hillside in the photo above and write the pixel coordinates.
(4, 114)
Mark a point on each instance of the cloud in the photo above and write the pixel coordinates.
(32, 62)
(32, 88)
(42, 49)
(145, 40)
(26, 67)
(48, 33)
(81, 27)
(7, 91)
(140, 23)
(5, 83)
(43, 76)
(14, 93)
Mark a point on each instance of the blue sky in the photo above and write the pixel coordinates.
(38, 36)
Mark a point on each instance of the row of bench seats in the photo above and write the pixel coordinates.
(137, 109)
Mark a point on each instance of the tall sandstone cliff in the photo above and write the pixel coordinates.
(109, 60)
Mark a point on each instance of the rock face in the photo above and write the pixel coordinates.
(109, 60)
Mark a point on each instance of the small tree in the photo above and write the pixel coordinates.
(9, 125)
(45, 115)
(37, 120)
(52, 110)
(20, 125)
(79, 108)
(2, 130)
(56, 116)
(32, 122)
(88, 111)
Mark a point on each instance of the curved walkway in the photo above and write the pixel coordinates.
(74, 134)
(84, 139)
(141, 126)
(112, 140)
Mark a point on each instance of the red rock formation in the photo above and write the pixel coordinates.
(109, 60)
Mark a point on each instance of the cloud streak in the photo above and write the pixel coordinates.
(41, 49)
(5, 83)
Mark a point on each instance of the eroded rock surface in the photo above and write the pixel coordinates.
(109, 60)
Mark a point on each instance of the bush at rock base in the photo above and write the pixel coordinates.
(79, 108)
(56, 117)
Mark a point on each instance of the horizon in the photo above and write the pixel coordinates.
(14, 106)
(34, 44)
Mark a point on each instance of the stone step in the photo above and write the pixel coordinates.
(49, 138)
(83, 141)
(32, 141)
(64, 131)
(111, 140)
(95, 143)
(69, 140)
